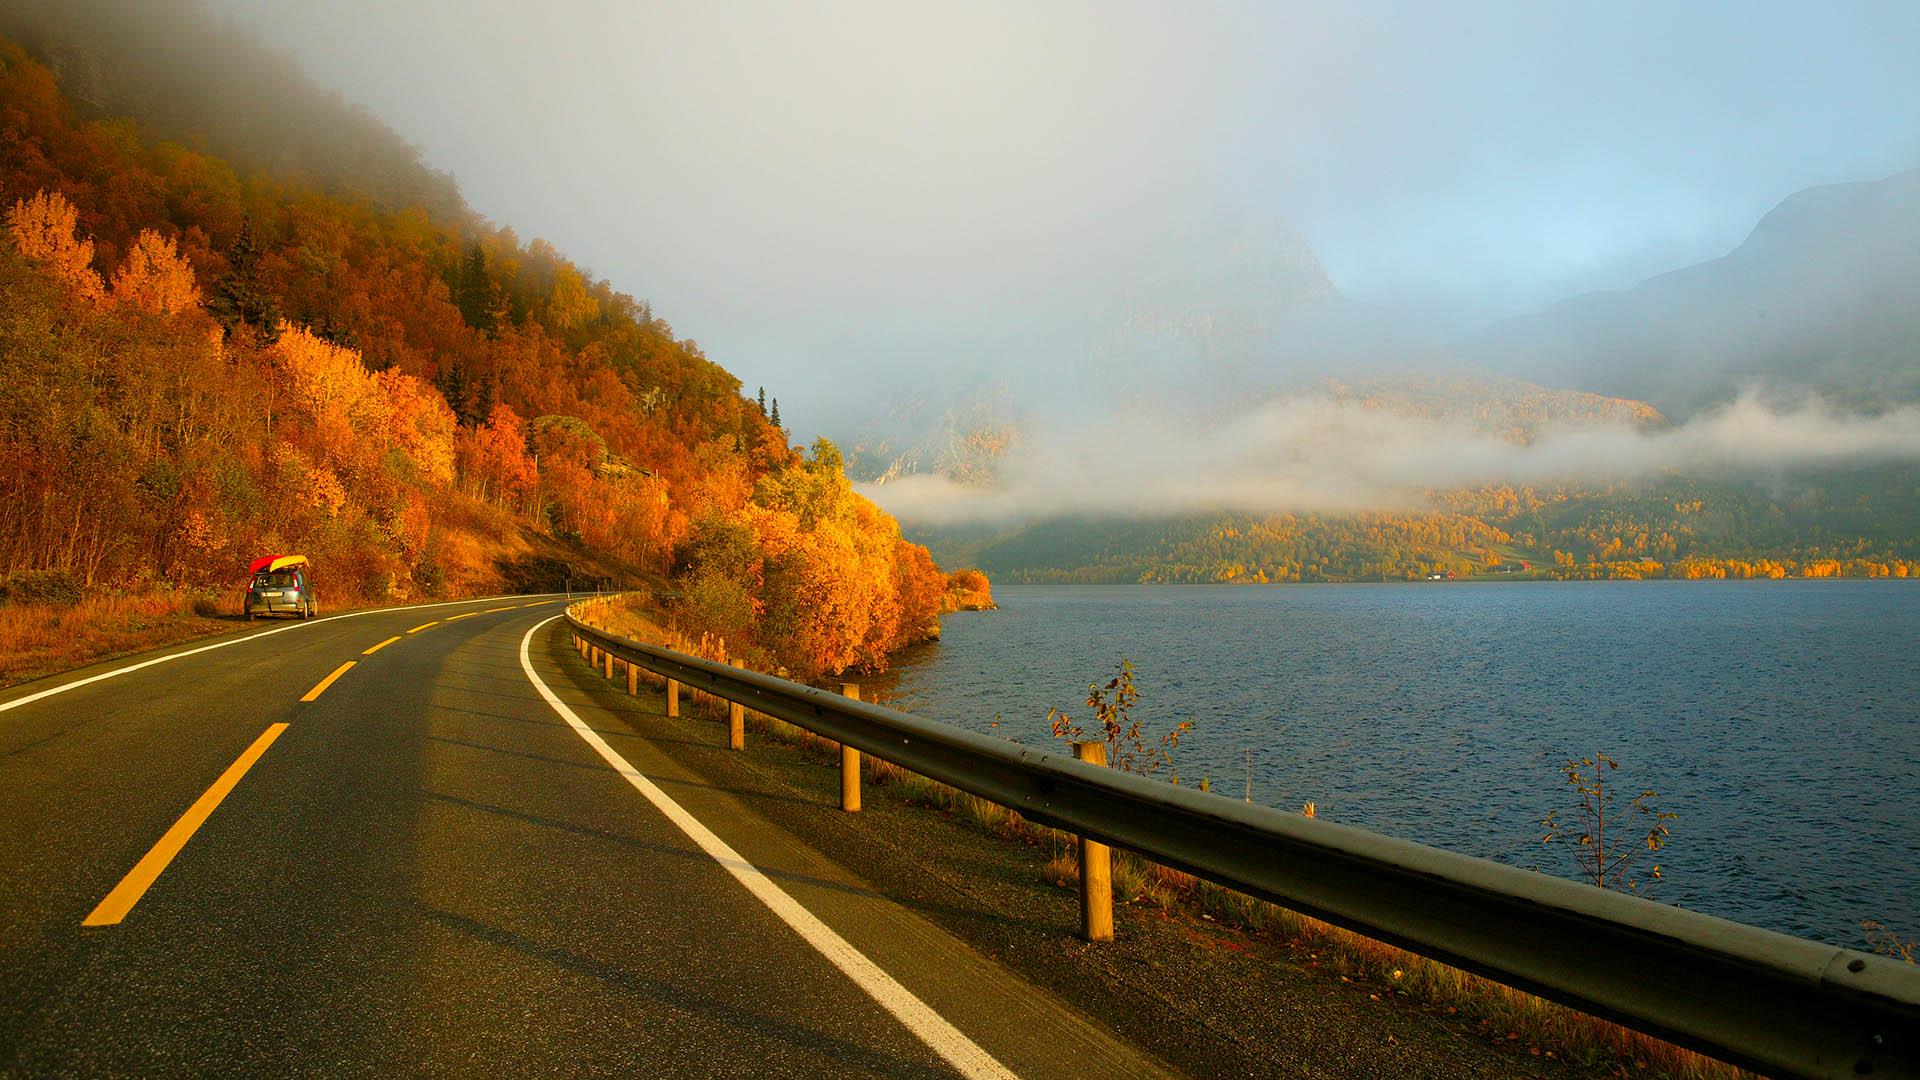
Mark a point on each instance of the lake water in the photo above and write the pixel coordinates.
(1780, 720)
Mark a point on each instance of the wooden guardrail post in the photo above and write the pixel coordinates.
(609, 657)
(593, 655)
(850, 762)
(1096, 866)
(633, 678)
(737, 720)
(673, 697)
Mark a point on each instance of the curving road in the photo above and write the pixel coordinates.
(457, 855)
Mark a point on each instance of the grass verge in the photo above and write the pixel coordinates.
(39, 638)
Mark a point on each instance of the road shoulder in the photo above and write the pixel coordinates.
(1029, 1029)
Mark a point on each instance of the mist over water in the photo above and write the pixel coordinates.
(1314, 453)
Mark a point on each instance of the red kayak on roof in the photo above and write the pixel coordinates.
(276, 562)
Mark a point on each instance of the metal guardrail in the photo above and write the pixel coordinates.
(1777, 1004)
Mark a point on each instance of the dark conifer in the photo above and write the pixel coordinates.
(454, 385)
(474, 292)
(239, 297)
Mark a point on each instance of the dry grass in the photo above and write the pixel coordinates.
(471, 540)
(40, 638)
(1502, 1013)
(628, 615)
(1886, 941)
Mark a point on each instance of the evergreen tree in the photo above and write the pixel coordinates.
(776, 413)
(763, 401)
(474, 292)
(239, 297)
(471, 398)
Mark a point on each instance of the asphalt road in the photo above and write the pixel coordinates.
(217, 865)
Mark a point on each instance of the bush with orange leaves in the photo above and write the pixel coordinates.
(809, 573)
(968, 590)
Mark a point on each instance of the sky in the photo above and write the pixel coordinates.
(834, 199)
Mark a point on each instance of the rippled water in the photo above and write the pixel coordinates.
(1780, 720)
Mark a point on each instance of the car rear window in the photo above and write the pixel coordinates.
(280, 580)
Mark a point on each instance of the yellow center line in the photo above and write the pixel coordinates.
(142, 876)
(328, 681)
(491, 610)
(380, 646)
(537, 603)
(462, 615)
(423, 626)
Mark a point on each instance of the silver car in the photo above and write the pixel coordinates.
(282, 592)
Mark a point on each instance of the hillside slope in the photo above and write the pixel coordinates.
(207, 361)
(209, 85)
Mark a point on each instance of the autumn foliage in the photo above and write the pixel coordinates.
(968, 590)
(202, 365)
(808, 572)
(42, 229)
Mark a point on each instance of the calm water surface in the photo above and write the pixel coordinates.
(1780, 720)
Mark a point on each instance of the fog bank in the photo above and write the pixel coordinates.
(1311, 452)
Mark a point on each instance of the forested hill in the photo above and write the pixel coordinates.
(212, 86)
(206, 360)
(1857, 522)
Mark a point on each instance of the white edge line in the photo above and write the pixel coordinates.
(933, 1029)
(77, 683)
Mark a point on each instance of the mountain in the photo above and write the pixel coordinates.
(1824, 295)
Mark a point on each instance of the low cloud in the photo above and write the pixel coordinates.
(1315, 453)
